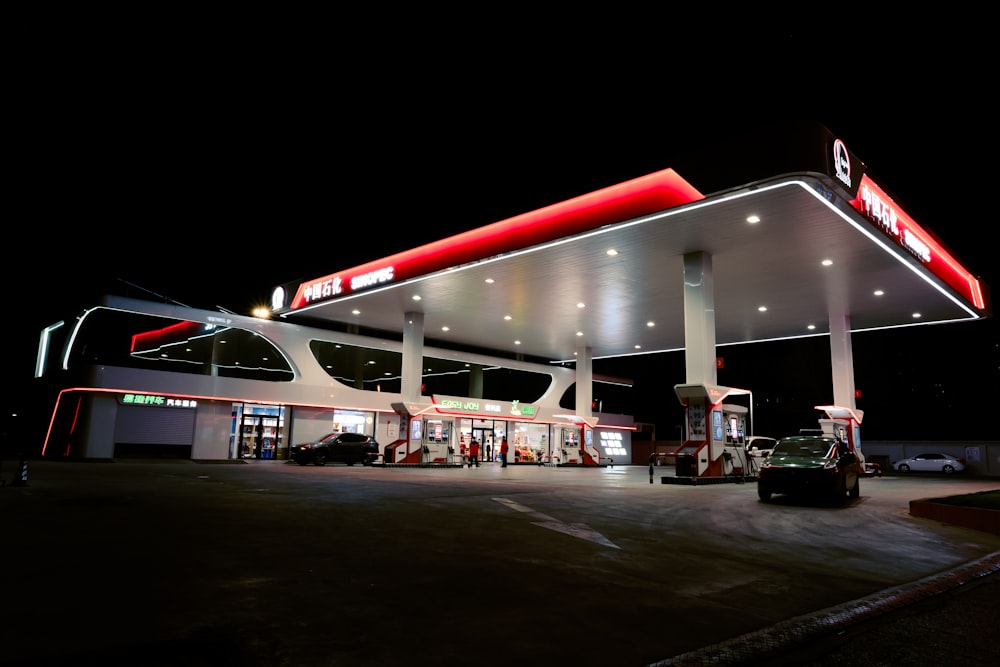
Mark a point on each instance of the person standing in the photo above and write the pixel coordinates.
(503, 453)
(489, 451)
(474, 453)
(259, 440)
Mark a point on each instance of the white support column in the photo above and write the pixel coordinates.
(842, 360)
(475, 381)
(584, 381)
(413, 357)
(699, 319)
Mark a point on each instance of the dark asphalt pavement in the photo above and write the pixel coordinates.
(150, 564)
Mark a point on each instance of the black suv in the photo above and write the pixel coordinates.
(349, 448)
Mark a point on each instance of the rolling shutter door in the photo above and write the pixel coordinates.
(146, 425)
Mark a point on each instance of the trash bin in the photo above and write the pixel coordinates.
(686, 465)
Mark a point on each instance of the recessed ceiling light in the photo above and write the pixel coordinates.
(490, 281)
(517, 342)
(507, 317)
(445, 329)
(581, 304)
(416, 297)
(753, 219)
(879, 292)
(355, 312)
(827, 262)
(917, 316)
(579, 333)
(612, 252)
(638, 347)
(762, 309)
(651, 323)
(811, 327)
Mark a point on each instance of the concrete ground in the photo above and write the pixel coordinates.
(150, 564)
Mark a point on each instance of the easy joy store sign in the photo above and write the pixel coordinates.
(472, 406)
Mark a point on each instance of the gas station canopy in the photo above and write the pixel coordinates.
(793, 223)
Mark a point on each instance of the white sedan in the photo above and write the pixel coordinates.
(930, 463)
(760, 446)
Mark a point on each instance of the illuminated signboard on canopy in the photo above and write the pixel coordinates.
(873, 203)
(654, 192)
(485, 408)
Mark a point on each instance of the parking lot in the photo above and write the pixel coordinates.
(266, 563)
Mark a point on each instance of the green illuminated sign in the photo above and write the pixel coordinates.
(158, 401)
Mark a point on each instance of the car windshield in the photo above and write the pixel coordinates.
(810, 447)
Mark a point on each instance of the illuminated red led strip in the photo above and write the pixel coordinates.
(654, 192)
(151, 340)
(941, 264)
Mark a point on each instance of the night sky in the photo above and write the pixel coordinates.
(212, 188)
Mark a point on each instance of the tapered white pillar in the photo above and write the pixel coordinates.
(413, 357)
(842, 360)
(584, 381)
(699, 319)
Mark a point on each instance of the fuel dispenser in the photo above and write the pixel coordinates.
(716, 432)
(844, 423)
(569, 451)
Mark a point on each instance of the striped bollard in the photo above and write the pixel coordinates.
(21, 476)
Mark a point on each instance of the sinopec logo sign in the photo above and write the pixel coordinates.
(841, 163)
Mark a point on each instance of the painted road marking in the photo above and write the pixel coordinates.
(579, 530)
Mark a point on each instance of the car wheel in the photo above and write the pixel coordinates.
(763, 493)
(840, 492)
(856, 491)
(319, 458)
(948, 469)
(903, 468)
(301, 460)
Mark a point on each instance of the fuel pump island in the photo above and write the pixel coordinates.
(714, 450)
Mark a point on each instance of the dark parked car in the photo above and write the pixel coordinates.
(349, 448)
(872, 469)
(817, 466)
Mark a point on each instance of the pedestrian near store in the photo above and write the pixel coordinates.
(461, 450)
(474, 453)
(489, 451)
(503, 453)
